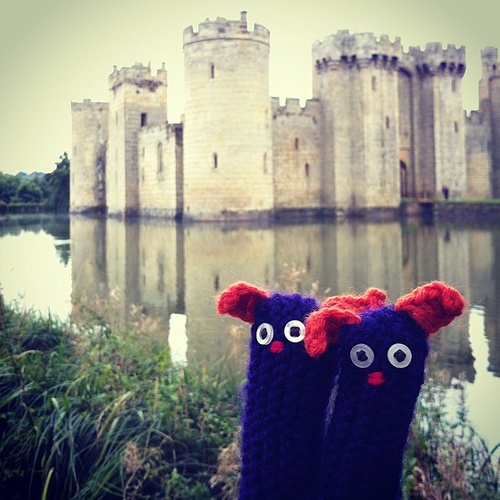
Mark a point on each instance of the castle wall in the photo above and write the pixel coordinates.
(478, 157)
(158, 171)
(382, 124)
(356, 80)
(494, 86)
(296, 155)
(228, 165)
(137, 99)
(88, 161)
(441, 138)
(489, 109)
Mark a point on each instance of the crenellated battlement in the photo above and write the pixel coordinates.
(88, 105)
(292, 107)
(355, 48)
(436, 60)
(379, 127)
(139, 75)
(223, 29)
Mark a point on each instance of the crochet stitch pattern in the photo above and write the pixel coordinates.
(382, 363)
(286, 395)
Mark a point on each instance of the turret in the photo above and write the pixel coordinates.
(355, 76)
(138, 99)
(227, 123)
(438, 114)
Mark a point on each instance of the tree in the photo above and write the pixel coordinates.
(29, 192)
(9, 185)
(58, 182)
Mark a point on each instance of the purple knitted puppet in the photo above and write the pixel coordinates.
(287, 392)
(382, 362)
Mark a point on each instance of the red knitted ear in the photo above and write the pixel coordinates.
(371, 299)
(432, 306)
(323, 328)
(240, 300)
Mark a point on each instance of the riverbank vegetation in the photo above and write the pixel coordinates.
(36, 192)
(96, 412)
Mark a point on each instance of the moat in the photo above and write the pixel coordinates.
(170, 274)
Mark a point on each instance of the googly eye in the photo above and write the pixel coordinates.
(399, 355)
(265, 334)
(362, 355)
(295, 331)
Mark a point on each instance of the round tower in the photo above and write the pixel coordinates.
(137, 99)
(88, 159)
(228, 169)
(356, 78)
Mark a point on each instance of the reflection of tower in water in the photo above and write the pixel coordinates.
(160, 270)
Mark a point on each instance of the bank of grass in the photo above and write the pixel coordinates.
(86, 413)
(91, 413)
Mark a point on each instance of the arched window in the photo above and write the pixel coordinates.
(306, 169)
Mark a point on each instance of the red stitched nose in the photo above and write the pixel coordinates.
(276, 346)
(376, 378)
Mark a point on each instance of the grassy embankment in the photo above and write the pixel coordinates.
(89, 412)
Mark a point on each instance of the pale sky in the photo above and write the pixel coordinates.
(53, 52)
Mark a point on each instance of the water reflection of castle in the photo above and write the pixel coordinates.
(179, 269)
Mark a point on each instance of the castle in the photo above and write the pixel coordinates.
(382, 124)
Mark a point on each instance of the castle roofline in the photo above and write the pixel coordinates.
(346, 47)
(87, 104)
(138, 74)
(223, 29)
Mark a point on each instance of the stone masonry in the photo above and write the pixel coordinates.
(383, 124)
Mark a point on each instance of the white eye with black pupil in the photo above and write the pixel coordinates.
(362, 355)
(399, 355)
(265, 334)
(295, 331)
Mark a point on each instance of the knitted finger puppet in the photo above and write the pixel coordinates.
(286, 392)
(382, 362)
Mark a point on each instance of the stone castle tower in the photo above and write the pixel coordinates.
(137, 99)
(489, 107)
(438, 118)
(356, 80)
(88, 162)
(228, 165)
(383, 124)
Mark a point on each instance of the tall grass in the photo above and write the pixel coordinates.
(86, 413)
(446, 459)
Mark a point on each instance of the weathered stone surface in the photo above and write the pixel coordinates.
(383, 124)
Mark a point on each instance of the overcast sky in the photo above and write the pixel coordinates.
(53, 52)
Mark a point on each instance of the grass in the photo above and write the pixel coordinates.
(98, 412)
(88, 414)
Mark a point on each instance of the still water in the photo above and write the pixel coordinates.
(167, 276)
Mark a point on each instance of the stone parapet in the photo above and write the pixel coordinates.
(222, 28)
(139, 75)
(356, 48)
(435, 59)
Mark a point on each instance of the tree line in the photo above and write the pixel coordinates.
(48, 191)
